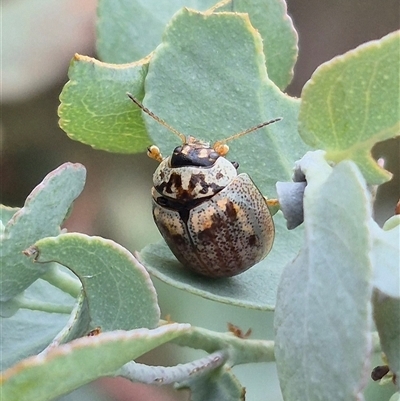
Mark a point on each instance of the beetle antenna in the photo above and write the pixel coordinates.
(158, 119)
(222, 148)
(248, 130)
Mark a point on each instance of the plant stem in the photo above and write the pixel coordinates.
(160, 375)
(240, 350)
(33, 304)
(65, 282)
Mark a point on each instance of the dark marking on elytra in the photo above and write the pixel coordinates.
(252, 240)
(183, 195)
(207, 236)
(175, 180)
(178, 240)
(230, 211)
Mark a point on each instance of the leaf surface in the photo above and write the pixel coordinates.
(69, 366)
(387, 320)
(95, 108)
(385, 257)
(118, 289)
(28, 332)
(129, 30)
(219, 385)
(323, 313)
(43, 213)
(279, 37)
(352, 102)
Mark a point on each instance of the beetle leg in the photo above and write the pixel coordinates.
(154, 153)
(273, 205)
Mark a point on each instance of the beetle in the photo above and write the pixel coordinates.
(215, 221)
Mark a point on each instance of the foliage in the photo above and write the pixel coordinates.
(214, 73)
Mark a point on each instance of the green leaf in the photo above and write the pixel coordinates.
(208, 79)
(95, 109)
(43, 213)
(395, 397)
(385, 257)
(255, 288)
(279, 37)
(352, 102)
(6, 213)
(118, 289)
(323, 312)
(67, 367)
(387, 320)
(219, 385)
(28, 332)
(129, 30)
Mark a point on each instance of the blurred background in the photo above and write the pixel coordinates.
(38, 40)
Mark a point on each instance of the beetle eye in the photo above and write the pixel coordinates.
(213, 156)
(162, 201)
(178, 149)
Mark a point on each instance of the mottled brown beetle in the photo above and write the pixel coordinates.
(215, 221)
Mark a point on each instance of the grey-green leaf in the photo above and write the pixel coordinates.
(6, 213)
(118, 289)
(323, 312)
(219, 385)
(387, 320)
(69, 366)
(129, 30)
(352, 102)
(275, 26)
(385, 256)
(43, 213)
(28, 332)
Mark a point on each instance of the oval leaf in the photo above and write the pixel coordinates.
(276, 28)
(385, 257)
(95, 108)
(81, 361)
(118, 289)
(323, 311)
(6, 213)
(387, 320)
(43, 213)
(28, 332)
(352, 102)
(129, 30)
